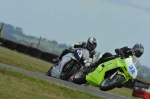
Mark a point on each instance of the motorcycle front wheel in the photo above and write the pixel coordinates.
(68, 71)
(109, 84)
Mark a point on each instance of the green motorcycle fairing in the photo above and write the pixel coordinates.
(97, 76)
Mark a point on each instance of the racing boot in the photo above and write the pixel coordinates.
(56, 60)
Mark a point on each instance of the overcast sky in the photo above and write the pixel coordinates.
(115, 23)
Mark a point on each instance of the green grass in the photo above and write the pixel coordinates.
(126, 92)
(15, 85)
(29, 63)
(17, 59)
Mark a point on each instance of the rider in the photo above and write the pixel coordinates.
(137, 50)
(90, 45)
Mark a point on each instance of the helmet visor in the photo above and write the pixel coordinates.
(92, 46)
(138, 53)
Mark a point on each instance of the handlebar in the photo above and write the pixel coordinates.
(120, 53)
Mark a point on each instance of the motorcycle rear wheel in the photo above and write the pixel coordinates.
(79, 77)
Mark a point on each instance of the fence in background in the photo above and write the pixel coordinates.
(28, 50)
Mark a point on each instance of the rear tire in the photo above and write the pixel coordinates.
(79, 77)
(118, 79)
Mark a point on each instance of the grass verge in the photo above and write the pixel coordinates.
(15, 85)
(20, 60)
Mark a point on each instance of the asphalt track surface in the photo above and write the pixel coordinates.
(65, 83)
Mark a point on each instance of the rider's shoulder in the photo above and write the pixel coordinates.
(81, 43)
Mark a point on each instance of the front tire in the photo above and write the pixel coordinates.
(68, 73)
(108, 84)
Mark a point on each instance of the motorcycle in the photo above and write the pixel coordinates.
(69, 64)
(110, 74)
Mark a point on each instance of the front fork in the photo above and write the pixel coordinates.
(120, 73)
(113, 75)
